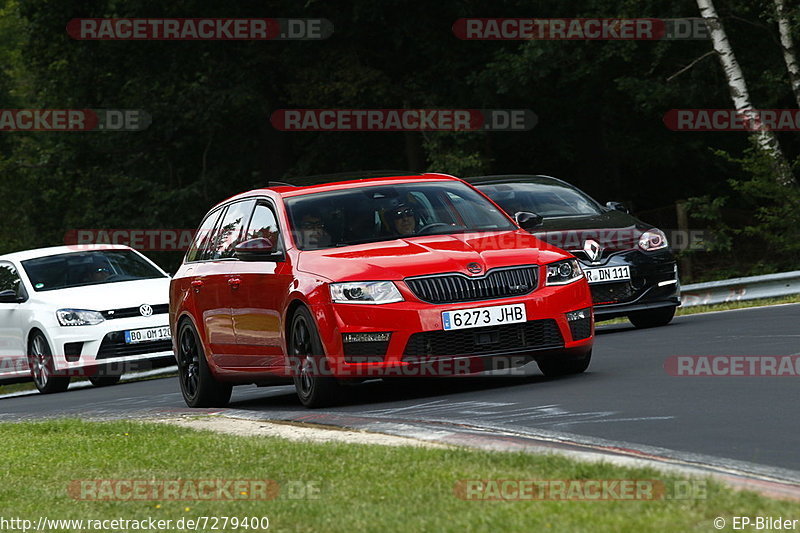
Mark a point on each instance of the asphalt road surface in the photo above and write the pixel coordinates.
(625, 396)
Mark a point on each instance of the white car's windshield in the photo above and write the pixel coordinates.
(93, 267)
(385, 212)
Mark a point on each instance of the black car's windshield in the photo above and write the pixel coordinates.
(548, 199)
(384, 212)
(93, 267)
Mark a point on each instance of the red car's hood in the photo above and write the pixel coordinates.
(401, 258)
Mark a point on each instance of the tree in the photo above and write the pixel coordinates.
(787, 46)
(763, 137)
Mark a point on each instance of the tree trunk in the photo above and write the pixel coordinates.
(787, 46)
(765, 139)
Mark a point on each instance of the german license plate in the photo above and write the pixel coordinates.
(135, 336)
(483, 316)
(601, 275)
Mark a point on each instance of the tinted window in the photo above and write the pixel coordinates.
(263, 225)
(9, 280)
(551, 199)
(384, 212)
(88, 268)
(230, 231)
(202, 236)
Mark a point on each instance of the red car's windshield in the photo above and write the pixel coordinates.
(385, 212)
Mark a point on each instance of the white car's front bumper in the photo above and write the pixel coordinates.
(104, 343)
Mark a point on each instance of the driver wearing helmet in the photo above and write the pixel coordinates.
(403, 220)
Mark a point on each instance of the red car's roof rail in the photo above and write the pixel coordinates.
(319, 179)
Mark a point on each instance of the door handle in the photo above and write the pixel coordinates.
(234, 282)
(196, 284)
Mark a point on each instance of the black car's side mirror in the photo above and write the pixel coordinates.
(259, 249)
(9, 297)
(528, 220)
(617, 206)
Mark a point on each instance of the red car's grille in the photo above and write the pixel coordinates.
(498, 283)
(523, 337)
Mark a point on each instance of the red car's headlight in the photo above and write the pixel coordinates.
(563, 272)
(365, 292)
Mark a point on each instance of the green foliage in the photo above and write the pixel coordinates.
(599, 106)
(757, 224)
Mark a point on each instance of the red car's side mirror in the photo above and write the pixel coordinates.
(259, 249)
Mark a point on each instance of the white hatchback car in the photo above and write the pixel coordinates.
(92, 310)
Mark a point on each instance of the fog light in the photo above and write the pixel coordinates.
(579, 315)
(366, 337)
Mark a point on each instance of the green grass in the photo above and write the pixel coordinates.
(791, 299)
(17, 387)
(361, 488)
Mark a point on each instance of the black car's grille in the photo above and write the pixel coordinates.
(365, 352)
(114, 346)
(128, 312)
(497, 283)
(584, 257)
(509, 338)
(603, 293)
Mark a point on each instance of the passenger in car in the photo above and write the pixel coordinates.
(313, 232)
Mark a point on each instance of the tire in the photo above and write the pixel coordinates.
(555, 367)
(43, 372)
(198, 386)
(309, 361)
(104, 378)
(653, 318)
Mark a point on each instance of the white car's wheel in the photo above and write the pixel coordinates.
(40, 359)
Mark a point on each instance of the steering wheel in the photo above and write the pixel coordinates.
(424, 229)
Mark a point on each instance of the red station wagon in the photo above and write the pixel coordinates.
(382, 277)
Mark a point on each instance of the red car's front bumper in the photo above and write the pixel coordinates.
(418, 345)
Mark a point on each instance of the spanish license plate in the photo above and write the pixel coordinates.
(600, 275)
(483, 316)
(135, 336)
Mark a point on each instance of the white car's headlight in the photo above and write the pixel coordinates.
(78, 317)
(365, 292)
(563, 272)
(653, 239)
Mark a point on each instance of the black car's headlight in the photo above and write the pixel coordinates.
(652, 240)
(563, 272)
(365, 292)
